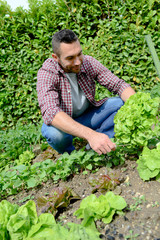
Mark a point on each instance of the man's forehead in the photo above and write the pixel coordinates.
(70, 49)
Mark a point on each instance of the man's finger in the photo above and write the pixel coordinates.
(114, 148)
(99, 152)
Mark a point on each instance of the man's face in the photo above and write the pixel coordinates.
(71, 57)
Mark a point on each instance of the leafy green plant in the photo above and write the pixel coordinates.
(131, 235)
(25, 158)
(77, 161)
(29, 197)
(155, 92)
(14, 142)
(113, 33)
(117, 157)
(103, 207)
(59, 197)
(24, 176)
(23, 223)
(149, 164)
(136, 122)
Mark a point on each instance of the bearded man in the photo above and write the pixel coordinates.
(66, 94)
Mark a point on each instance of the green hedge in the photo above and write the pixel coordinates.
(111, 31)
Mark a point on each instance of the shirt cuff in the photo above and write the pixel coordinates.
(50, 114)
(123, 87)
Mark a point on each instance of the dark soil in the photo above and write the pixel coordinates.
(142, 215)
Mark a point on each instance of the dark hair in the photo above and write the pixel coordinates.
(65, 36)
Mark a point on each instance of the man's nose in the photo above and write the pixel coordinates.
(77, 61)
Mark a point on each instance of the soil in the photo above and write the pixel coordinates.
(142, 215)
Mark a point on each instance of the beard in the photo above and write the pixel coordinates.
(70, 68)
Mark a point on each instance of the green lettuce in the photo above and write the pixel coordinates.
(103, 207)
(22, 223)
(46, 228)
(149, 163)
(6, 210)
(134, 120)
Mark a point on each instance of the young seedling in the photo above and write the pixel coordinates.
(137, 205)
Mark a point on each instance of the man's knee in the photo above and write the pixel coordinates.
(117, 101)
(52, 134)
(56, 136)
(113, 104)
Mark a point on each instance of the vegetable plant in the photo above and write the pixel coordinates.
(149, 163)
(136, 122)
(24, 223)
(59, 197)
(14, 142)
(104, 182)
(104, 207)
(25, 176)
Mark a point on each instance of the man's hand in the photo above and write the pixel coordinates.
(101, 143)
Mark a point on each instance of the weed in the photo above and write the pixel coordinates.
(138, 202)
(131, 236)
(29, 197)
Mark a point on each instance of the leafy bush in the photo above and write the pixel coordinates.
(14, 142)
(113, 33)
(24, 48)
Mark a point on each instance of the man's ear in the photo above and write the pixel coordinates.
(55, 57)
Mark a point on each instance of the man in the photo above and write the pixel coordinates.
(66, 89)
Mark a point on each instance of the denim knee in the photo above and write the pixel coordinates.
(119, 102)
(58, 140)
(116, 101)
(51, 133)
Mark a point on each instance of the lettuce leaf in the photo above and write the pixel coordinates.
(55, 231)
(6, 210)
(20, 223)
(45, 222)
(149, 163)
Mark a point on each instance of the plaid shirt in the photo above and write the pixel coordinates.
(54, 90)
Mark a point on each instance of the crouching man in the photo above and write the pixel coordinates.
(66, 91)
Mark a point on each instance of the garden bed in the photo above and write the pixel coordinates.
(142, 214)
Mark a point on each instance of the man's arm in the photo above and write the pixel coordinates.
(99, 142)
(127, 93)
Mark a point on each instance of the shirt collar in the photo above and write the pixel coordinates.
(59, 68)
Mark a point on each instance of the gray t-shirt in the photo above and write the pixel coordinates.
(79, 102)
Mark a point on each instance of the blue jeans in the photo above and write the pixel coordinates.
(99, 119)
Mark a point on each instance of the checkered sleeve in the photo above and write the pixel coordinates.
(106, 78)
(48, 97)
